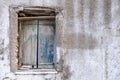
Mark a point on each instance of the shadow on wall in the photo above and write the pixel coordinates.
(79, 41)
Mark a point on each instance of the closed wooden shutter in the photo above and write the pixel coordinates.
(37, 39)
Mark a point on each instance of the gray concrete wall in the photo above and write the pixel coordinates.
(90, 38)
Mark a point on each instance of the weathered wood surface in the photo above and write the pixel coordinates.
(35, 18)
(28, 42)
(46, 44)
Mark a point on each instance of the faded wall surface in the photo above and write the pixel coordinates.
(90, 40)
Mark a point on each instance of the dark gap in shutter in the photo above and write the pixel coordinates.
(37, 42)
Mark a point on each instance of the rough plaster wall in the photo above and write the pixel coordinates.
(91, 37)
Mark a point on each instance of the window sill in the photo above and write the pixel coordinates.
(36, 72)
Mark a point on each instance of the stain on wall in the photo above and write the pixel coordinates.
(107, 13)
(66, 74)
(64, 69)
(69, 16)
(82, 41)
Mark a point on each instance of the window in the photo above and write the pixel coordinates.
(36, 38)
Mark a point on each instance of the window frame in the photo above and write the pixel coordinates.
(13, 36)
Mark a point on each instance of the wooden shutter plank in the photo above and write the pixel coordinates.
(46, 44)
(29, 44)
(35, 18)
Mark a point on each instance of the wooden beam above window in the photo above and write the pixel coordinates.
(37, 17)
(35, 11)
